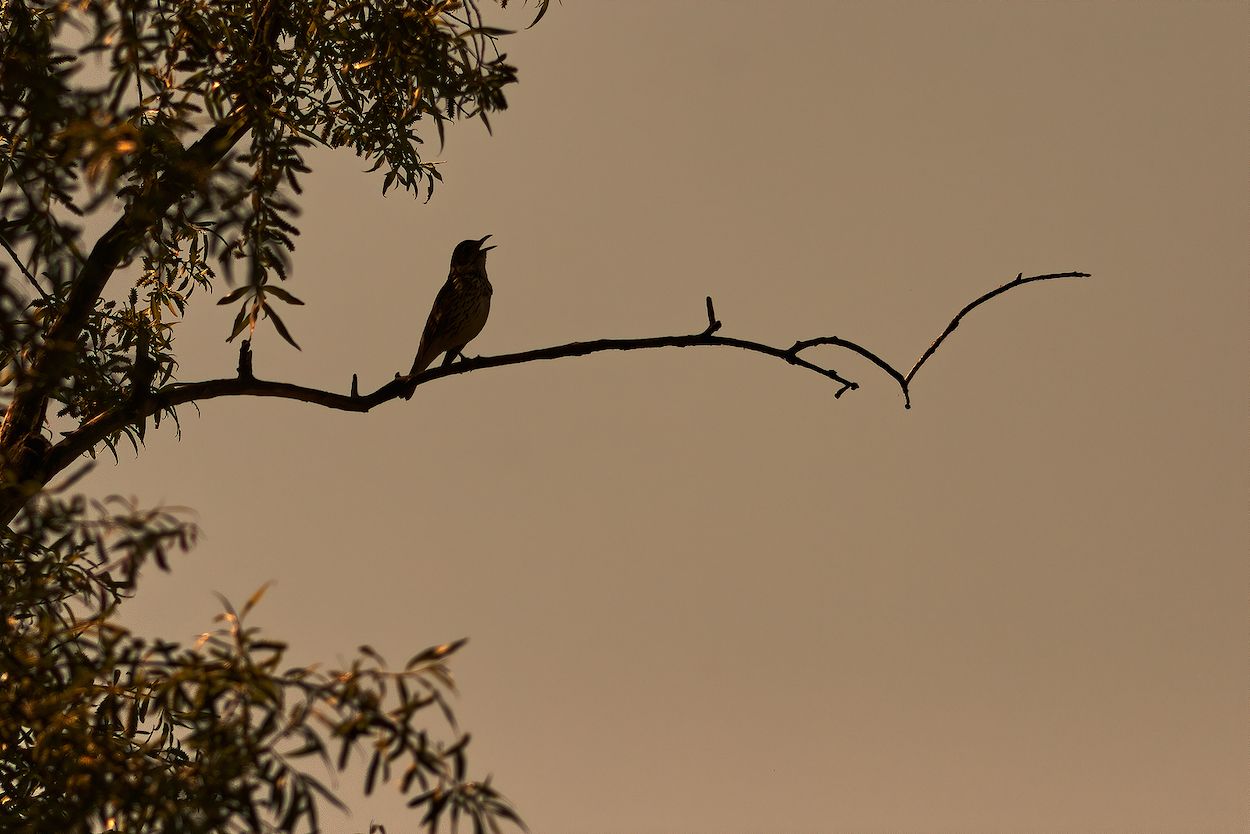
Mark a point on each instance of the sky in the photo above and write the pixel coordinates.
(702, 594)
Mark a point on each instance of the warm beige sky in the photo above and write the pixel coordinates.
(704, 596)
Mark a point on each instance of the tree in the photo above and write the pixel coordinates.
(195, 138)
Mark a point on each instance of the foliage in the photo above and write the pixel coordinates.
(101, 729)
(182, 126)
(136, 105)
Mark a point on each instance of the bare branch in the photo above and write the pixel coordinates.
(904, 380)
(98, 428)
(950, 328)
(703, 339)
(107, 423)
(862, 351)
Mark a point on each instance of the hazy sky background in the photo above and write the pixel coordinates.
(703, 595)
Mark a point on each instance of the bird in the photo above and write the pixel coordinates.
(460, 308)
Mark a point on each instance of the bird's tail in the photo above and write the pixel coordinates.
(423, 360)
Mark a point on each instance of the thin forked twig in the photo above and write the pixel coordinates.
(904, 380)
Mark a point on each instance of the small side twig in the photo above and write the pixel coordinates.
(712, 324)
(854, 348)
(245, 360)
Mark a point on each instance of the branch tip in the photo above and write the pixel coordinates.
(977, 302)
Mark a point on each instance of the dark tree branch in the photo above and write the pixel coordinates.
(25, 414)
(109, 422)
(862, 351)
(707, 338)
(51, 363)
(92, 432)
(950, 328)
(904, 380)
(115, 245)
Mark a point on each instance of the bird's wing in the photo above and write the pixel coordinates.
(435, 327)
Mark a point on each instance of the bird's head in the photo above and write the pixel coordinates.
(468, 252)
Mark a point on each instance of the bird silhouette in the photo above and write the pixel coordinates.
(460, 308)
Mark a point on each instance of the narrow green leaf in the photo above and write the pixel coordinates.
(282, 331)
(278, 292)
(240, 322)
(235, 295)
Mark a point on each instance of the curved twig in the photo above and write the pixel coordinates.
(950, 328)
(904, 380)
(854, 348)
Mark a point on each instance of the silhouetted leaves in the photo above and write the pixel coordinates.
(189, 122)
(102, 729)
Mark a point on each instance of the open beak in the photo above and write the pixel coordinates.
(484, 248)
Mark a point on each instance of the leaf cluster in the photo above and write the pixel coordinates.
(101, 729)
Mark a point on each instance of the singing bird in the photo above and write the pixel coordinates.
(460, 308)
